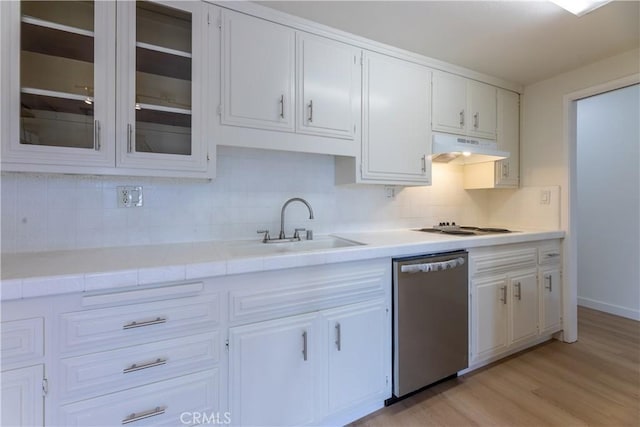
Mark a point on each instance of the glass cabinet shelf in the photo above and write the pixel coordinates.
(50, 38)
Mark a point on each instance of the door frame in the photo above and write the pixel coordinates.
(569, 215)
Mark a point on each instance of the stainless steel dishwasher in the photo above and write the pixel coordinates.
(430, 320)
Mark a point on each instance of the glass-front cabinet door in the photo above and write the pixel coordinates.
(160, 86)
(59, 82)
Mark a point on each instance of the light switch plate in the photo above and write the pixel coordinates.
(545, 197)
(130, 196)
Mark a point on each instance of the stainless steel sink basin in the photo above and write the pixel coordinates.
(320, 243)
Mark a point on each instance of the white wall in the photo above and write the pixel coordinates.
(545, 152)
(54, 212)
(608, 178)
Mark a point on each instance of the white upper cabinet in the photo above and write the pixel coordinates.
(503, 173)
(396, 109)
(160, 110)
(58, 82)
(482, 109)
(449, 103)
(507, 171)
(328, 87)
(463, 106)
(106, 88)
(258, 73)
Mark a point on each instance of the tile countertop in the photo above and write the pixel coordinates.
(29, 275)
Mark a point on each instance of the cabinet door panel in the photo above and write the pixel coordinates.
(258, 73)
(328, 81)
(490, 316)
(270, 381)
(524, 307)
(356, 353)
(396, 135)
(551, 301)
(508, 138)
(482, 110)
(22, 401)
(58, 90)
(161, 100)
(449, 103)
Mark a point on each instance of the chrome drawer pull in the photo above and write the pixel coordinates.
(158, 410)
(338, 337)
(135, 324)
(304, 346)
(136, 367)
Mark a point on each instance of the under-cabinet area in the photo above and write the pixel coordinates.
(153, 88)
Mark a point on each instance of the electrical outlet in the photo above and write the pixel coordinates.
(390, 191)
(129, 196)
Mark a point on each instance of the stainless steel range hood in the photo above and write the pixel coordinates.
(457, 149)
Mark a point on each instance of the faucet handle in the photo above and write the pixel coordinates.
(266, 235)
(296, 233)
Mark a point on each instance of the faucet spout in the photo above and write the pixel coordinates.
(295, 199)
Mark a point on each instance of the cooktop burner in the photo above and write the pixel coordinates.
(463, 230)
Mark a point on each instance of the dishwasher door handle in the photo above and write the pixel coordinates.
(432, 266)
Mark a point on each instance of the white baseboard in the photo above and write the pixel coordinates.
(618, 310)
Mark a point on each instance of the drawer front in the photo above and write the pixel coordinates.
(105, 372)
(324, 289)
(549, 254)
(22, 340)
(115, 327)
(159, 404)
(503, 261)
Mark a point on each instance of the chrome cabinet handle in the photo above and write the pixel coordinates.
(552, 255)
(503, 289)
(505, 170)
(338, 337)
(135, 367)
(135, 324)
(129, 138)
(311, 111)
(476, 120)
(461, 118)
(519, 291)
(96, 135)
(424, 163)
(550, 278)
(304, 346)
(158, 410)
(282, 106)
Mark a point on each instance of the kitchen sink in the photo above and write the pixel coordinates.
(319, 243)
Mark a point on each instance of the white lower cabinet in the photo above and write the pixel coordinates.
(356, 353)
(515, 298)
(22, 398)
(550, 299)
(272, 371)
(300, 369)
(524, 306)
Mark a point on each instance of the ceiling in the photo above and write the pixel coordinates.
(520, 41)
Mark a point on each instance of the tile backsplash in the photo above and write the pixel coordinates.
(55, 212)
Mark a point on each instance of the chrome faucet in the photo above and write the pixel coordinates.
(295, 199)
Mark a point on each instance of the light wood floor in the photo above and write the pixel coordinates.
(595, 382)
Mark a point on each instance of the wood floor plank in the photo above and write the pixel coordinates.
(594, 382)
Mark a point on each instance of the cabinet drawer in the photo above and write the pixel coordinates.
(22, 340)
(159, 404)
(309, 290)
(135, 324)
(503, 261)
(549, 254)
(109, 371)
